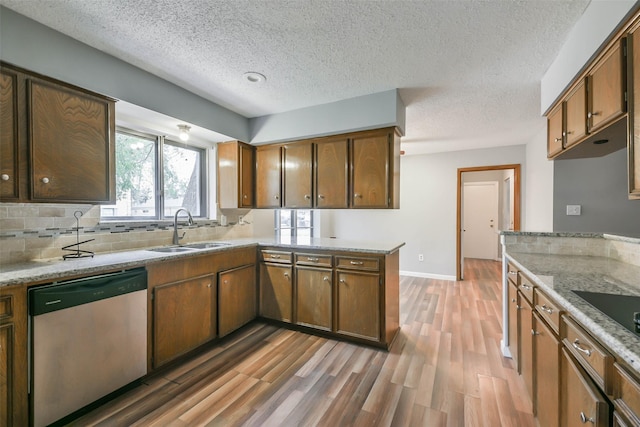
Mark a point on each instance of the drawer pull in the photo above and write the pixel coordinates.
(546, 309)
(513, 273)
(286, 274)
(312, 259)
(357, 263)
(577, 346)
(527, 287)
(584, 419)
(325, 278)
(275, 256)
(534, 333)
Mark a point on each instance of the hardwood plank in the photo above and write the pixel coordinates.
(444, 369)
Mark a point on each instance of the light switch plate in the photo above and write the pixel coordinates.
(573, 209)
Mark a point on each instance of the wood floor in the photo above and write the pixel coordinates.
(444, 369)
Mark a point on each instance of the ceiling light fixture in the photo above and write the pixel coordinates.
(184, 132)
(254, 77)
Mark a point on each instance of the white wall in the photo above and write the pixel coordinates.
(426, 220)
(537, 205)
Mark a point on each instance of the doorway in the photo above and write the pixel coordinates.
(480, 220)
(507, 218)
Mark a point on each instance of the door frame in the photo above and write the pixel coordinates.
(516, 205)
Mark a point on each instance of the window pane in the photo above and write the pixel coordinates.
(304, 219)
(182, 179)
(135, 178)
(285, 218)
(304, 232)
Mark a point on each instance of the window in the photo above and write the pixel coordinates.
(155, 177)
(292, 223)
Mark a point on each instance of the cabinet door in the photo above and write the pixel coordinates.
(633, 46)
(184, 317)
(581, 401)
(236, 298)
(606, 88)
(358, 300)
(298, 175)
(6, 374)
(370, 163)
(525, 324)
(332, 174)
(268, 177)
(314, 296)
(576, 115)
(246, 174)
(546, 371)
(554, 131)
(71, 144)
(276, 292)
(9, 148)
(513, 324)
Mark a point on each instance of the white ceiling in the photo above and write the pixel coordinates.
(468, 71)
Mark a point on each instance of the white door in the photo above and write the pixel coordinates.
(480, 220)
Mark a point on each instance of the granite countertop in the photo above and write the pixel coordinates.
(558, 275)
(53, 269)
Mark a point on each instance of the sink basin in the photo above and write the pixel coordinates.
(170, 250)
(205, 245)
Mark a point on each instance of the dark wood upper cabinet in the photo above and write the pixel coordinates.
(236, 171)
(576, 115)
(555, 131)
(371, 154)
(269, 176)
(606, 87)
(633, 74)
(331, 176)
(297, 172)
(57, 141)
(9, 146)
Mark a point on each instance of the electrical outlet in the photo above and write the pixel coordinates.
(573, 209)
(241, 219)
(420, 257)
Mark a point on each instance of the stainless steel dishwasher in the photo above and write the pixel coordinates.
(88, 338)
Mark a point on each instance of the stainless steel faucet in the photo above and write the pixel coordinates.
(176, 239)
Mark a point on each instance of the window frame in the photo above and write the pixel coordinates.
(159, 199)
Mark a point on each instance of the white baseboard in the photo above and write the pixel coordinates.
(428, 275)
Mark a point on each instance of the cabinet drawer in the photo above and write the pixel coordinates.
(581, 401)
(548, 310)
(593, 357)
(314, 259)
(512, 273)
(6, 307)
(276, 256)
(626, 393)
(526, 287)
(356, 263)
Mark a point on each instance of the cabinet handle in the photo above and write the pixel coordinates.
(342, 281)
(357, 196)
(276, 197)
(357, 263)
(534, 333)
(584, 419)
(546, 309)
(589, 115)
(209, 285)
(558, 139)
(307, 197)
(5, 177)
(286, 274)
(45, 180)
(577, 346)
(275, 256)
(244, 196)
(513, 273)
(320, 196)
(312, 259)
(225, 282)
(527, 287)
(325, 278)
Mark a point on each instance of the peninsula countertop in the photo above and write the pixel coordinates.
(558, 275)
(53, 269)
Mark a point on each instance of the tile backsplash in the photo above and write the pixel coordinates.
(40, 231)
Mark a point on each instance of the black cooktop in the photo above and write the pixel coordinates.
(624, 309)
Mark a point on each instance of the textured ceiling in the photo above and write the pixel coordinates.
(468, 71)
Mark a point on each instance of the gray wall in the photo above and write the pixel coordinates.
(599, 185)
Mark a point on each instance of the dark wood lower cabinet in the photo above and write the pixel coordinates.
(184, 317)
(276, 292)
(514, 309)
(546, 356)
(314, 297)
(526, 343)
(358, 304)
(237, 298)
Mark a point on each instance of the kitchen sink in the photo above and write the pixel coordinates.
(170, 249)
(206, 245)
